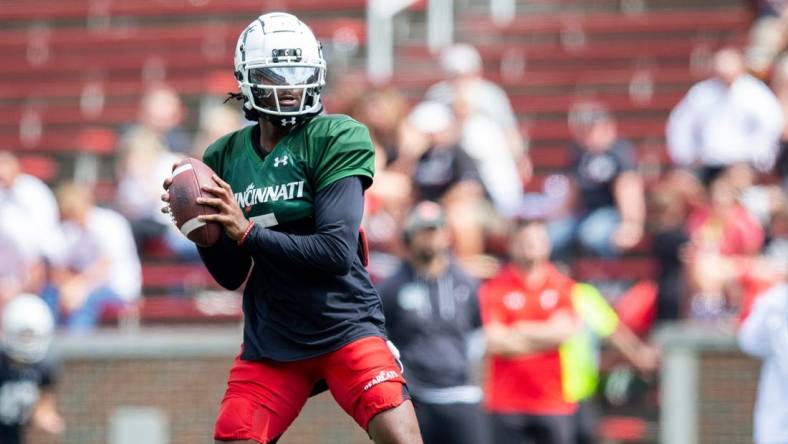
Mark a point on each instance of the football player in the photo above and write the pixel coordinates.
(289, 191)
(26, 379)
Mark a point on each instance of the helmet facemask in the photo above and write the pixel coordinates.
(284, 88)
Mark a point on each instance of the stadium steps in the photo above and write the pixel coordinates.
(19, 10)
(72, 52)
(545, 71)
(597, 51)
(65, 133)
(553, 97)
(611, 24)
(197, 308)
(525, 7)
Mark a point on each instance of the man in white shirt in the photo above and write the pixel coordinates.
(29, 229)
(485, 142)
(463, 66)
(100, 267)
(730, 118)
(764, 335)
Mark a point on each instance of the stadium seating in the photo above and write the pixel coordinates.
(639, 59)
(174, 10)
(615, 23)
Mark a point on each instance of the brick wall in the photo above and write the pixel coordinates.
(727, 384)
(184, 376)
(187, 390)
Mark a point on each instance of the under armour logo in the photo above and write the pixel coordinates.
(280, 161)
(290, 121)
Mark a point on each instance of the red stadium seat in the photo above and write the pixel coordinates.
(627, 268)
(172, 309)
(225, 308)
(622, 429)
(616, 23)
(43, 167)
(19, 10)
(163, 276)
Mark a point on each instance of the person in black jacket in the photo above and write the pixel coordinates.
(431, 309)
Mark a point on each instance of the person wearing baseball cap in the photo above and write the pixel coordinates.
(432, 310)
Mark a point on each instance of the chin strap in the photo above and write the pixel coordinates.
(290, 121)
(252, 114)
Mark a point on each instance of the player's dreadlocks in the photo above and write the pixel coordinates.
(250, 114)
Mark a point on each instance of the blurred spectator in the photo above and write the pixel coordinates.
(216, 120)
(724, 225)
(731, 117)
(669, 209)
(431, 309)
(29, 229)
(764, 335)
(100, 269)
(760, 200)
(444, 173)
(768, 269)
(609, 205)
(382, 111)
(27, 393)
(146, 156)
(580, 354)
(343, 94)
(485, 142)
(385, 204)
(161, 113)
(722, 236)
(440, 166)
(143, 164)
(777, 247)
(462, 64)
(767, 36)
(780, 86)
(527, 313)
(549, 203)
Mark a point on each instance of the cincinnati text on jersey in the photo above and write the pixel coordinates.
(286, 191)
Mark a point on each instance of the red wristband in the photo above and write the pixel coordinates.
(246, 234)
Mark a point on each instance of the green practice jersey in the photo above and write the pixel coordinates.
(291, 311)
(280, 188)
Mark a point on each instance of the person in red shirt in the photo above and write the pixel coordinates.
(724, 238)
(527, 313)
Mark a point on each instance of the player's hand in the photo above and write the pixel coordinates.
(165, 197)
(230, 215)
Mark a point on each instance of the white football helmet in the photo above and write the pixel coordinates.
(279, 52)
(27, 328)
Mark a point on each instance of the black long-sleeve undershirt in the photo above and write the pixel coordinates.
(338, 209)
(226, 262)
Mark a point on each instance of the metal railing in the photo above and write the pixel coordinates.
(440, 29)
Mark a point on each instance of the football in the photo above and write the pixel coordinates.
(188, 177)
